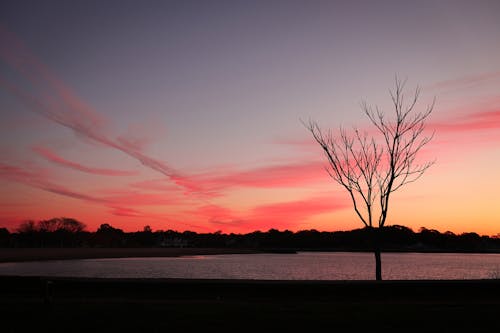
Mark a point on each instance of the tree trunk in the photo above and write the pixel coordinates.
(375, 234)
(378, 265)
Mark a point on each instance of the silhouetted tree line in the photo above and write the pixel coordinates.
(67, 232)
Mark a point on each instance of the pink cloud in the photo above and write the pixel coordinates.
(127, 212)
(306, 144)
(154, 185)
(132, 143)
(133, 198)
(160, 218)
(59, 104)
(476, 121)
(469, 127)
(119, 203)
(54, 158)
(276, 176)
(285, 175)
(215, 213)
(84, 128)
(296, 211)
(139, 135)
(467, 81)
(15, 53)
(277, 215)
(38, 179)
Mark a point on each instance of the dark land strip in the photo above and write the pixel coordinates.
(161, 305)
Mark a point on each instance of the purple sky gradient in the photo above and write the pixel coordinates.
(201, 101)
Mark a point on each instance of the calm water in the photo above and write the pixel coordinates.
(301, 266)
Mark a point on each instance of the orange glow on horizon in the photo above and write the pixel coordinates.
(232, 155)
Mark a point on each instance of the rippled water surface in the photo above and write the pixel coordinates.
(301, 266)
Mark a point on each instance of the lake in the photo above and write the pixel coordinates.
(300, 266)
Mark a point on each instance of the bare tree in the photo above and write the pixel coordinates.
(371, 167)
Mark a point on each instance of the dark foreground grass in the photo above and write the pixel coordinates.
(90, 305)
(195, 316)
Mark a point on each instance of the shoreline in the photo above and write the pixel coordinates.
(44, 254)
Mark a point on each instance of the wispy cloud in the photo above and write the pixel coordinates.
(128, 212)
(475, 121)
(293, 212)
(304, 144)
(281, 215)
(467, 81)
(57, 102)
(274, 176)
(84, 127)
(120, 203)
(38, 179)
(160, 185)
(139, 198)
(215, 213)
(51, 156)
(284, 175)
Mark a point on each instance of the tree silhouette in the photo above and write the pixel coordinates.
(108, 236)
(61, 224)
(371, 167)
(28, 226)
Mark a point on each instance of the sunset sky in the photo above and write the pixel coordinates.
(186, 115)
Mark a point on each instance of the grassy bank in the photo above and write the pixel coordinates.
(132, 305)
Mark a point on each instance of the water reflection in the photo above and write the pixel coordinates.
(301, 266)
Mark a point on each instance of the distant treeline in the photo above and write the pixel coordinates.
(67, 232)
